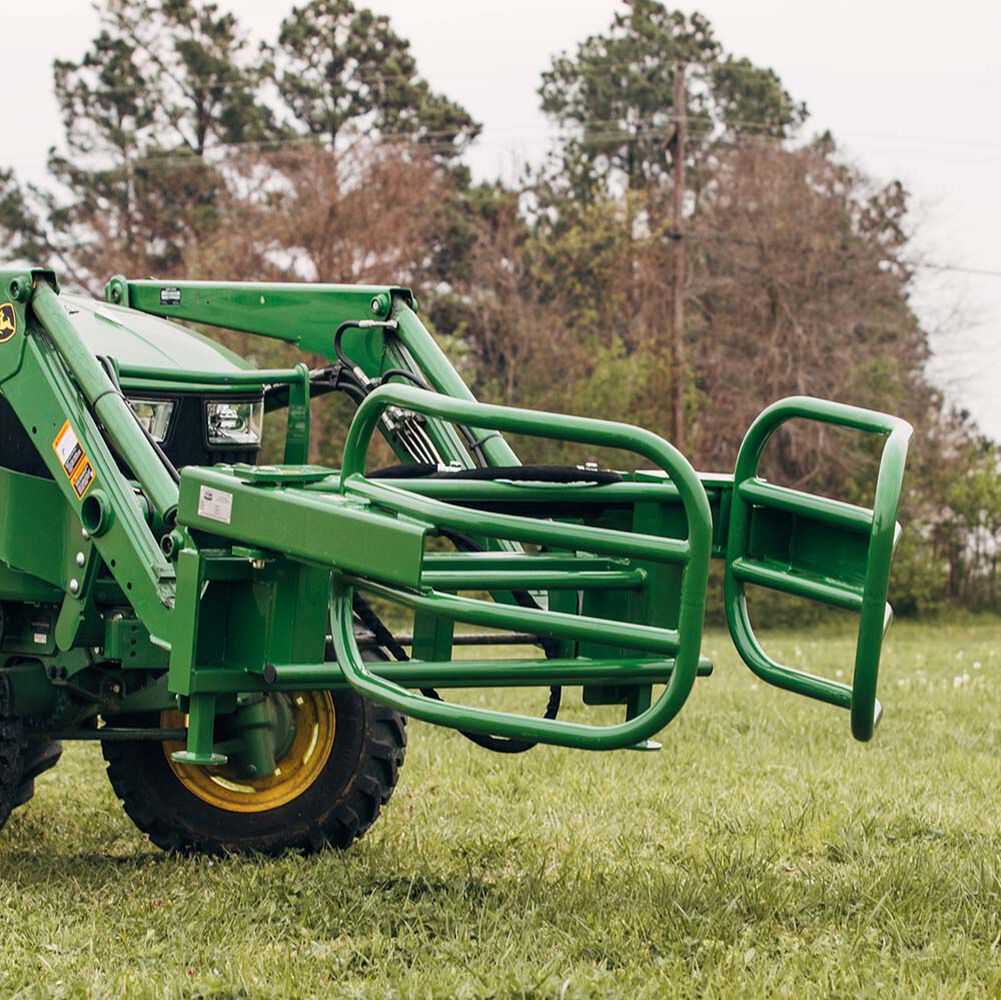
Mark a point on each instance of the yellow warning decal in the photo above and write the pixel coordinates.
(8, 321)
(74, 461)
(83, 478)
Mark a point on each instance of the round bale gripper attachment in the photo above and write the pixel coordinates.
(244, 636)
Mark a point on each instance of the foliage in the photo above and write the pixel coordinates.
(337, 65)
(325, 155)
(162, 84)
(21, 230)
(616, 94)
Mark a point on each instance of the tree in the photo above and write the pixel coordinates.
(799, 284)
(615, 95)
(22, 234)
(338, 66)
(181, 70)
(367, 212)
(163, 83)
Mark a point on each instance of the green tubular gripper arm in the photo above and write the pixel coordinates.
(867, 596)
(693, 553)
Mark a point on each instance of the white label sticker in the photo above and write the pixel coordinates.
(215, 504)
(68, 449)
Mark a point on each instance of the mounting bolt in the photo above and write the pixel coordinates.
(381, 304)
(74, 586)
(85, 534)
(20, 288)
(80, 559)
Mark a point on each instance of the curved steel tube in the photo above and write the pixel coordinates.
(693, 554)
(875, 613)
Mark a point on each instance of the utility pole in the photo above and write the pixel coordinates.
(678, 299)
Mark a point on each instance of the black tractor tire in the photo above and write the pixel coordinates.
(340, 804)
(11, 752)
(37, 756)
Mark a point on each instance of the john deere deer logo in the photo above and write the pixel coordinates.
(8, 321)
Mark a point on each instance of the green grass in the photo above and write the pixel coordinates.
(760, 854)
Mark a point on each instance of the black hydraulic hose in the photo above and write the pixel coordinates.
(549, 646)
(367, 616)
(475, 446)
(417, 380)
(339, 378)
(381, 634)
(386, 639)
(461, 540)
(412, 438)
(416, 441)
(357, 324)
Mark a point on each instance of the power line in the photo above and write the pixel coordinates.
(453, 140)
(373, 76)
(983, 272)
(745, 125)
(370, 77)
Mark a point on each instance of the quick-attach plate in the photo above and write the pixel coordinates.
(281, 475)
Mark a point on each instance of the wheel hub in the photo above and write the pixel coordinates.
(295, 730)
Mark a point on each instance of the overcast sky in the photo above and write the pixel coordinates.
(909, 92)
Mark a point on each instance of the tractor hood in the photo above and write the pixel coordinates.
(135, 338)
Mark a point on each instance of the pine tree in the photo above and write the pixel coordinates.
(339, 67)
(162, 84)
(615, 97)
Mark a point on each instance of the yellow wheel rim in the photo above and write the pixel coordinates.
(222, 787)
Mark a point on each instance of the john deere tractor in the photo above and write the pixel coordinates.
(220, 625)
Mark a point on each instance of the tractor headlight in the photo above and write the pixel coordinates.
(235, 424)
(154, 415)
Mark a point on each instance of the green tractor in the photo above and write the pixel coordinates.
(219, 625)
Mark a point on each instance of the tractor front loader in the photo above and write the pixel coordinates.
(220, 626)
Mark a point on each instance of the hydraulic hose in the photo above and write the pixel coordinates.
(367, 616)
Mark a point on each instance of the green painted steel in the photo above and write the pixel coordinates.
(443, 377)
(135, 338)
(693, 553)
(299, 314)
(109, 406)
(45, 395)
(328, 529)
(143, 593)
(297, 378)
(855, 579)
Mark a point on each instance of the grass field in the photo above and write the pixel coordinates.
(760, 854)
